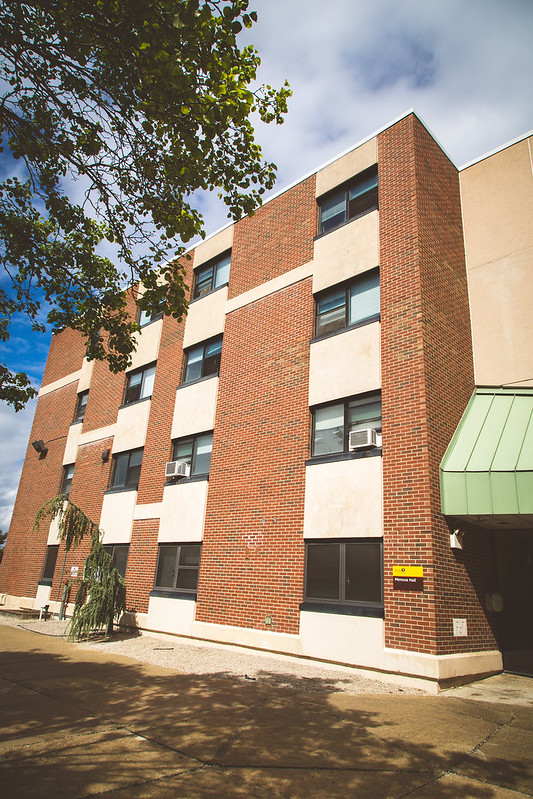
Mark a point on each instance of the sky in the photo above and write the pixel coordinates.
(465, 67)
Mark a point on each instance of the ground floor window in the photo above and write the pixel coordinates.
(49, 565)
(177, 567)
(345, 572)
(119, 553)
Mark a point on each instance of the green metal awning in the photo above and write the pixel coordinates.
(487, 470)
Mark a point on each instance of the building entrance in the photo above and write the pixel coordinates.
(515, 621)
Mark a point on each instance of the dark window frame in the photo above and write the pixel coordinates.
(341, 601)
(345, 287)
(204, 360)
(111, 549)
(347, 403)
(355, 208)
(208, 283)
(175, 589)
(193, 457)
(66, 480)
(48, 570)
(81, 406)
(130, 391)
(128, 484)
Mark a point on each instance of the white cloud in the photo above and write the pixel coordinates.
(464, 65)
(14, 433)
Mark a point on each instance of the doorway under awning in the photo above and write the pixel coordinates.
(486, 474)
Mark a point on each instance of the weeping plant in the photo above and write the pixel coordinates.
(101, 596)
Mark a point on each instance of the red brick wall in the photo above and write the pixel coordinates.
(41, 478)
(251, 569)
(65, 356)
(427, 378)
(142, 558)
(276, 239)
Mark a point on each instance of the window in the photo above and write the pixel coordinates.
(49, 565)
(346, 572)
(212, 275)
(80, 407)
(177, 567)
(139, 384)
(349, 304)
(68, 474)
(358, 197)
(126, 469)
(196, 451)
(333, 423)
(203, 360)
(145, 317)
(119, 553)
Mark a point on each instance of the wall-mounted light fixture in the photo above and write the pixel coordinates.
(105, 455)
(39, 446)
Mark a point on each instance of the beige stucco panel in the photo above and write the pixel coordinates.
(346, 167)
(501, 301)
(116, 519)
(345, 252)
(206, 317)
(183, 512)
(86, 373)
(345, 639)
(194, 410)
(172, 615)
(346, 364)
(132, 423)
(213, 246)
(53, 532)
(344, 499)
(497, 198)
(73, 440)
(147, 340)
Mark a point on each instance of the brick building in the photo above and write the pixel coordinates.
(333, 455)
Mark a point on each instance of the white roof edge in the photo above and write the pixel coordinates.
(497, 150)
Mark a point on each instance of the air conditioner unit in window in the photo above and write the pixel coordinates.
(363, 438)
(177, 469)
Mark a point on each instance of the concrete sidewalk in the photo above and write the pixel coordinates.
(76, 723)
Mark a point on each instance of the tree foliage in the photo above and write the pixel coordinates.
(130, 106)
(101, 595)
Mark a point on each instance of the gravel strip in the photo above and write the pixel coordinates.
(219, 660)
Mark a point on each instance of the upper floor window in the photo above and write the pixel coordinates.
(119, 554)
(196, 451)
(80, 406)
(68, 474)
(126, 469)
(356, 198)
(344, 572)
(349, 304)
(333, 423)
(49, 564)
(139, 384)
(211, 275)
(145, 317)
(203, 360)
(177, 567)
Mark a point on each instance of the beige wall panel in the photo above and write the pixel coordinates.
(345, 364)
(98, 434)
(213, 246)
(183, 512)
(345, 639)
(86, 373)
(147, 341)
(132, 423)
(42, 597)
(63, 381)
(345, 252)
(501, 301)
(53, 532)
(116, 519)
(344, 499)
(346, 167)
(170, 615)
(497, 198)
(73, 440)
(194, 410)
(206, 317)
